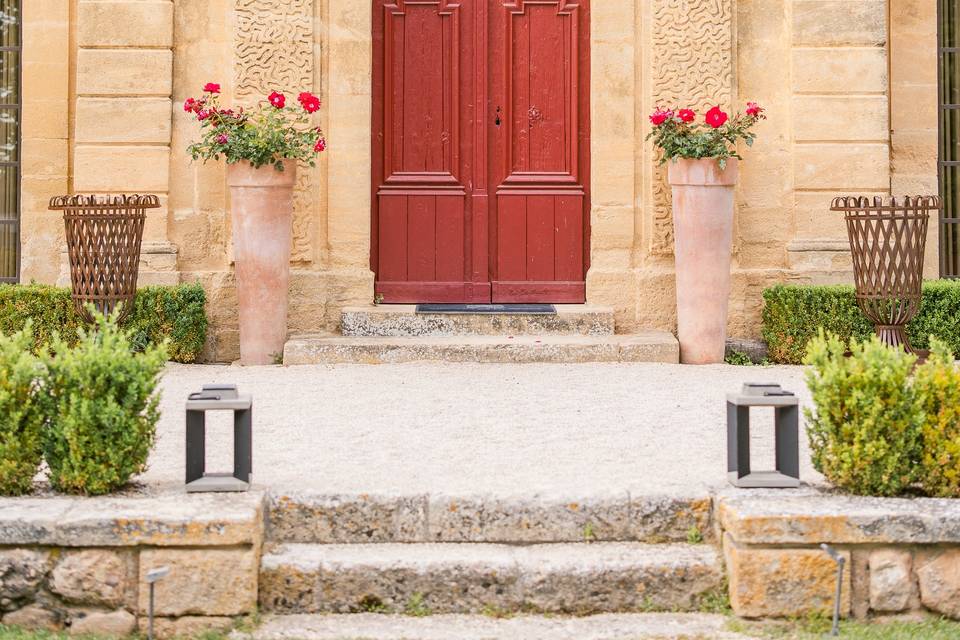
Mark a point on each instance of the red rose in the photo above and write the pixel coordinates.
(309, 102)
(753, 109)
(211, 87)
(278, 100)
(716, 117)
(660, 116)
(320, 146)
(203, 114)
(222, 139)
(189, 105)
(686, 115)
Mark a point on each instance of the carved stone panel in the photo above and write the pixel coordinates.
(692, 65)
(274, 44)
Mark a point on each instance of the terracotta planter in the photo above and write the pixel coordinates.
(703, 236)
(262, 216)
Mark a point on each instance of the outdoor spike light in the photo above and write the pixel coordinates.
(221, 397)
(153, 577)
(840, 560)
(786, 408)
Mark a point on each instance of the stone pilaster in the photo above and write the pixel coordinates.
(122, 113)
(840, 114)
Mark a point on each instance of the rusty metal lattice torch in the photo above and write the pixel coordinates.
(888, 240)
(104, 234)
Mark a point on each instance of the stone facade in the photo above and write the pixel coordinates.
(851, 96)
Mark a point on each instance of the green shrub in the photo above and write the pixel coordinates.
(866, 434)
(172, 313)
(176, 314)
(102, 405)
(21, 415)
(938, 386)
(792, 315)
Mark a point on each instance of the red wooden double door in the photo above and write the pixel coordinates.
(481, 150)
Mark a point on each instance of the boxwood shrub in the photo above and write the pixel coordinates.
(866, 433)
(21, 413)
(173, 313)
(792, 315)
(101, 404)
(880, 425)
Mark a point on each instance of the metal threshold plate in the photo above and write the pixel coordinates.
(489, 309)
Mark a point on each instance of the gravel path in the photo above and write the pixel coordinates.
(570, 430)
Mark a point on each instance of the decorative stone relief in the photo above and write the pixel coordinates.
(692, 64)
(274, 46)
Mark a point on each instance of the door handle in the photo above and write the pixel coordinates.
(497, 120)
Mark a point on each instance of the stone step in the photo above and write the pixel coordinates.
(577, 579)
(398, 320)
(365, 518)
(640, 626)
(649, 346)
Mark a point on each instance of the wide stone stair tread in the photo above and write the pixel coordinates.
(308, 517)
(404, 321)
(642, 626)
(647, 346)
(578, 578)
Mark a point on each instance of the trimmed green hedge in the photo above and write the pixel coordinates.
(175, 313)
(792, 315)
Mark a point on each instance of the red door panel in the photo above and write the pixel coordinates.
(423, 140)
(469, 93)
(539, 159)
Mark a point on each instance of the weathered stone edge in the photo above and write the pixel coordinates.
(169, 520)
(811, 520)
(366, 518)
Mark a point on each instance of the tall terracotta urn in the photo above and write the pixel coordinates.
(262, 217)
(703, 237)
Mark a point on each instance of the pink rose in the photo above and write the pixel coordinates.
(320, 146)
(211, 87)
(203, 114)
(753, 109)
(223, 139)
(686, 115)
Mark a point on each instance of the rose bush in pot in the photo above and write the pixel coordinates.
(261, 147)
(703, 170)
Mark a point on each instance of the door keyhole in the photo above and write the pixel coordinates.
(497, 120)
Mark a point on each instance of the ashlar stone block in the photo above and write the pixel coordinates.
(211, 582)
(787, 582)
(96, 577)
(940, 583)
(892, 587)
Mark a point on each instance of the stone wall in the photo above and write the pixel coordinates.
(81, 564)
(901, 556)
(103, 114)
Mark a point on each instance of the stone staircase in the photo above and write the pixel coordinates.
(397, 333)
(415, 556)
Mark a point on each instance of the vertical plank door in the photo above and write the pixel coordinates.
(425, 102)
(473, 95)
(539, 160)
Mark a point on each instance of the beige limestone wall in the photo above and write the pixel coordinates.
(46, 133)
(820, 67)
(913, 108)
(121, 114)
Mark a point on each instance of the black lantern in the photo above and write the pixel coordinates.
(219, 398)
(786, 408)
